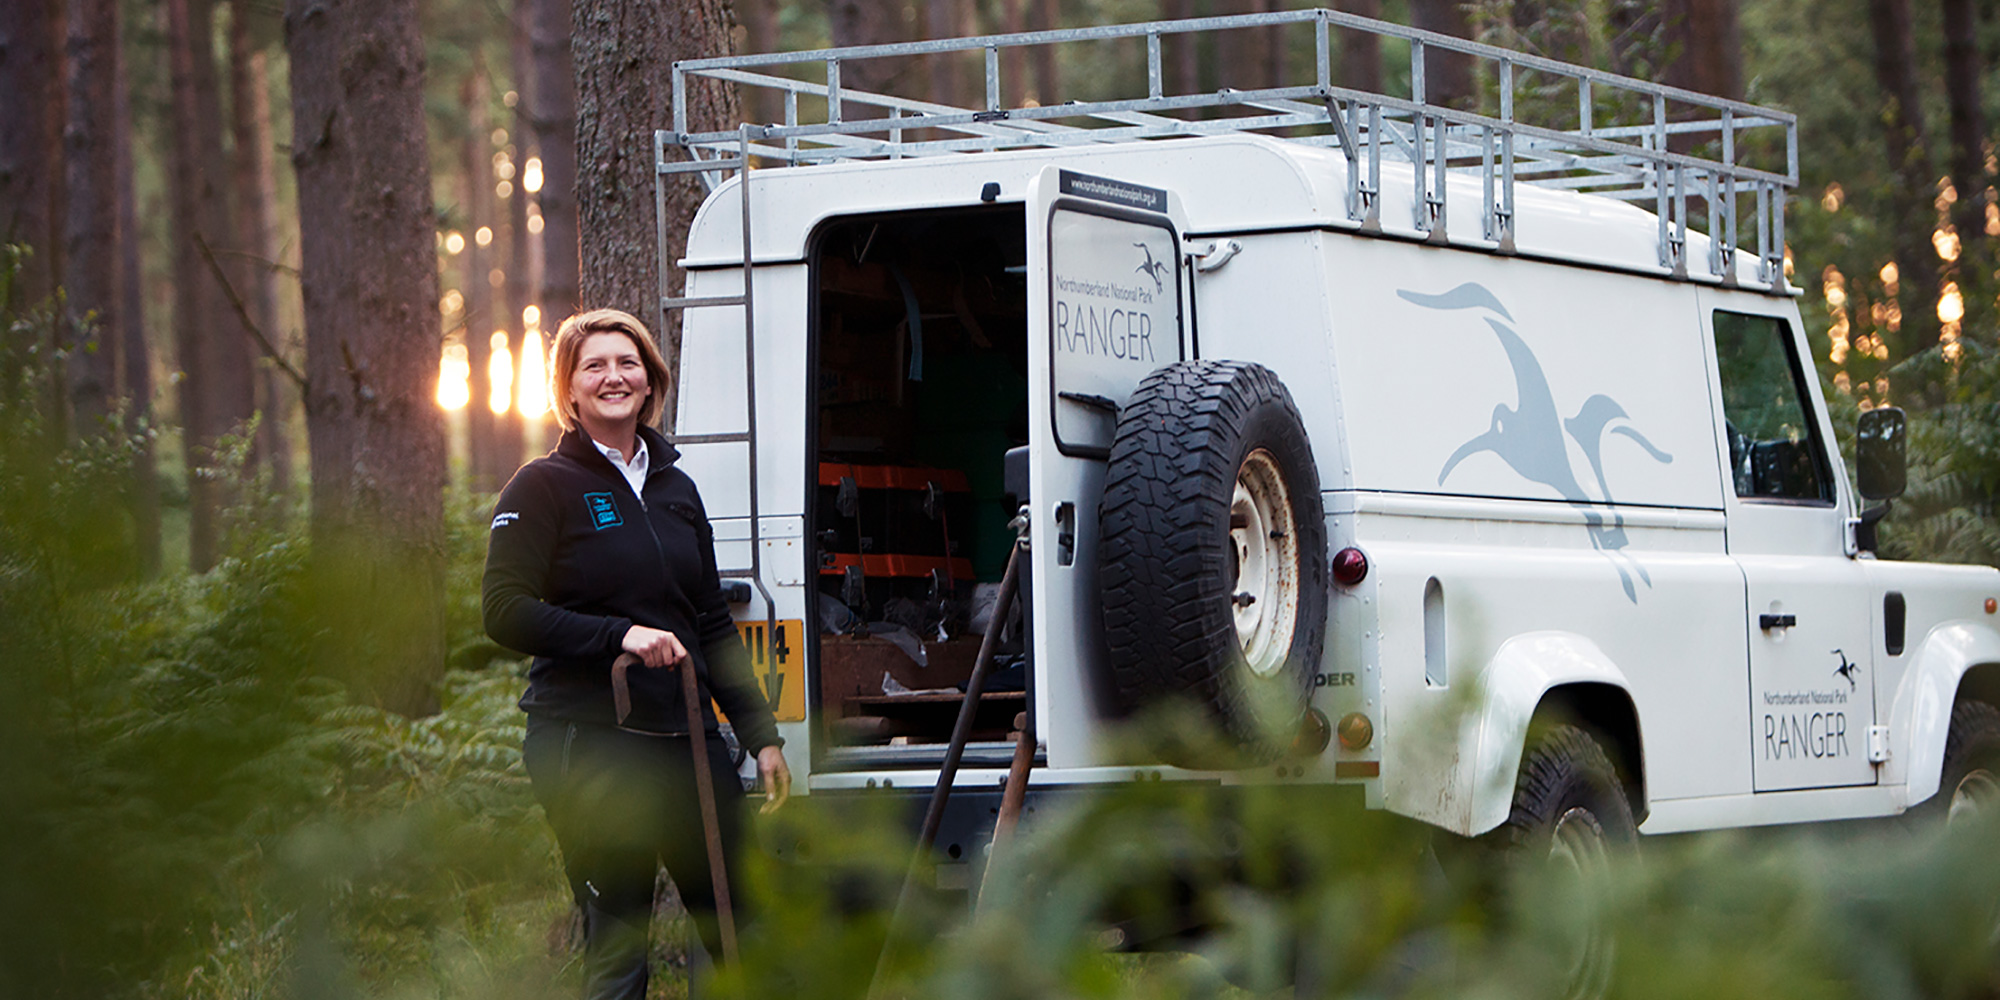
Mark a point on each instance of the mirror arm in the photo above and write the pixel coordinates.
(1864, 526)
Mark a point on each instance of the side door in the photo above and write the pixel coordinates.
(1105, 308)
(1812, 690)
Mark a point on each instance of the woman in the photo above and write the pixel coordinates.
(600, 548)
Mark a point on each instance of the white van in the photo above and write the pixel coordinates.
(1420, 449)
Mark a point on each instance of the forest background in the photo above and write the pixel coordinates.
(273, 306)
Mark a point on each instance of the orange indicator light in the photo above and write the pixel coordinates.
(1992, 605)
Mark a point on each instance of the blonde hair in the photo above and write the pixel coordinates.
(569, 347)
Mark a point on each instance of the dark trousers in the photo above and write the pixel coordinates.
(622, 804)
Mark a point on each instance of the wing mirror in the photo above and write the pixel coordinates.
(1880, 458)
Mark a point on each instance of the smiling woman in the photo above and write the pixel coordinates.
(601, 549)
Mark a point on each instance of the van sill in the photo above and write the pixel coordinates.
(996, 754)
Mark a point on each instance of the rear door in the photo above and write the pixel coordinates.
(1106, 306)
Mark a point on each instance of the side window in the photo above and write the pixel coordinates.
(1774, 446)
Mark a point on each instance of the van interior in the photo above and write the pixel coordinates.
(920, 360)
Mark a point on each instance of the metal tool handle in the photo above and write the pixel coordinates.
(704, 786)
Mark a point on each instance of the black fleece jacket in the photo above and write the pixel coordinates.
(575, 559)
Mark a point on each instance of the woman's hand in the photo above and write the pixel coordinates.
(777, 778)
(654, 647)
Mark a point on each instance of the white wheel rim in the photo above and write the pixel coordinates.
(1265, 541)
(1976, 795)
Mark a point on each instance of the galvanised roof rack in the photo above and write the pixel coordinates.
(1648, 161)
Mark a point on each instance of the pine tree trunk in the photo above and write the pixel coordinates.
(30, 143)
(92, 235)
(760, 23)
(625, 51)
(194, 328)
(527, 245)
(233, 397)
(1962, 71)
(135, 366)
(1014, 58)
(1183, 53)
(253, 173)
(1236, 49)
(942, 21)
(554, 114)
(1046, 16)
(868, 22)
(522, 288)
(369, 276)
(1710, 42)
(1447, 75)
(480, 317)
(1910, 216)
(1360, 65)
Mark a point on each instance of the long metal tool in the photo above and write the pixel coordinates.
(1012, 800)
(704, 786)
(961, 733)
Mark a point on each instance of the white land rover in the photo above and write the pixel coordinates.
(1380, 429)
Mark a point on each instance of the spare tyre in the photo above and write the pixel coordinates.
(1212, 553)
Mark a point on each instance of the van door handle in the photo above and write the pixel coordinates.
(1769, 622)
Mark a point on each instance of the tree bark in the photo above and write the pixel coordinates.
(760, 22)
(91, 232)
(253, 171)
(625, 51)
(523, 286)
(135, 369)
(1909, 200)
(369, 276)
(942, 18)
(1361, 52)
(1184, 60)
(1014, 58)
(1046, 16)
(31, 143)
(1236, 50)
(480, 317)
(194, 327)
(1710, 40)
(868, 22)
(553, 110)
(1447, 75)
(233, 396)
(1962, 71)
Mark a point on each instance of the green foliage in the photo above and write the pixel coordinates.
(1948, 513)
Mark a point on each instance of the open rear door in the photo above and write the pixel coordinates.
(1106, 307)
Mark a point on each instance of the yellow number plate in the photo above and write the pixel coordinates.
(779, 665)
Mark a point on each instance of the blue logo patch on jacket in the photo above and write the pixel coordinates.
(603, 510)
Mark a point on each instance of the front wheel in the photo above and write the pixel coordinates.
(1970, 786)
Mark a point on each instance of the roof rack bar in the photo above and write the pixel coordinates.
(1033, 117)
(1634, 161)
(1386, 29)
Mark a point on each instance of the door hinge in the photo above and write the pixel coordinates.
(1878, 744)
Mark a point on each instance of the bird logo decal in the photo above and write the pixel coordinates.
(1530, 435)
(1848, 669)
(1154, 269)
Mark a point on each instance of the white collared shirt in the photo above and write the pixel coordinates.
(634, 471)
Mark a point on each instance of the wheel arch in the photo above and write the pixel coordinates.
(1607, 713)
(1957, 659)
(1540, 678)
